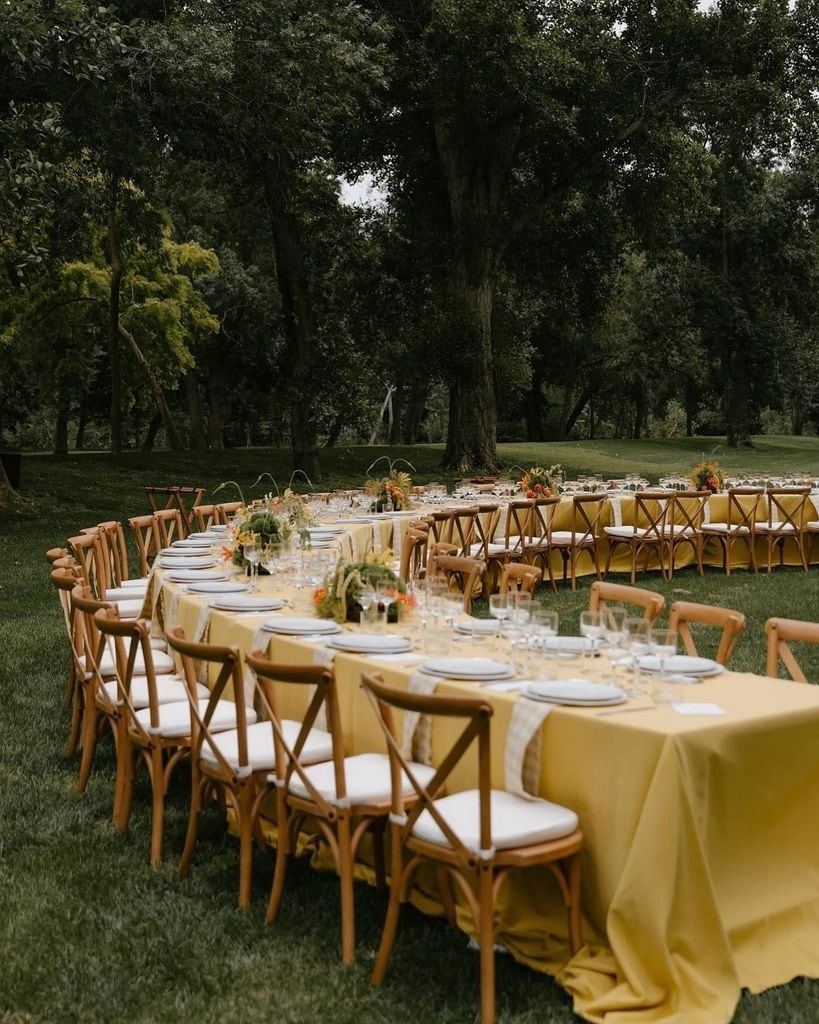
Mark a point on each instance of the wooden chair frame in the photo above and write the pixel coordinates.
(468, 573)
(342, 825)
(462, 530)
(790, 525)
(741, 525)
(176, 498)
(589, 535)
(602, 593)
(413, 554)
(650, 508)
(455, 862)
(243, 789)
(519, 576)
(146, 538)
(115, 549)
(538, 543)
(781, 633)
(170, 526)
(65, 579)
(206, 516)
(731, 623)
(87, 549)
(684, 526)
(486, 523)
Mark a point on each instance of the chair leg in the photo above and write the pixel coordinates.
(345, 874)
(575, 927)
(89, 742)
(393, 909)
(486, 939)
(282, 859)
(445, 892)
(193, 824)
(127, 794)
(245, 805)
(76, 723)
(156, 770)
(377, 832)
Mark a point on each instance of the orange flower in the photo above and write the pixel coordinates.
(318, 595)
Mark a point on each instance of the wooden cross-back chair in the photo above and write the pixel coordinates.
(466, 573)
(144, 532)
(486, 523)
(740, 525)
(781, 633)
(474, 838)
(115, 549)
(519, 576)
(785, 521)
(413, 554)
(344, 797)
(647, 534)
(462, 531)
(731, 623)
(603, 593)
(64, 579)
(587, 510)
(148, 702)
(177, 498)
(497, 552)
(226, 509)
(54, 554)
(206, 516)
(440, 526)
(232, 753)
(169, 527)
(86, 548)
(684, 526)
(538, 543)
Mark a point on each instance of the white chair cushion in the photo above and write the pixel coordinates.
(126, 593)
(163, 663)
(175, 719)
(130, 609)
(677, 530)
(775, 528)
(723, 528)
(565, 537)
(158, 645)
(813, 524)
(624, 532)
(515, 821)
(367, 777)
(136, 584)
(492, 548)
(169, 690)
(260, 749)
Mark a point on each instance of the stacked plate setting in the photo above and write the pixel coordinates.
(247, 603)
(471, 669)
(218, 587)
(196, 575)
(371, 643)
(576, 693)
(681, 665)
(286, 626)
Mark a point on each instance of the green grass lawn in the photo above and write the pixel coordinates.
(88, 932)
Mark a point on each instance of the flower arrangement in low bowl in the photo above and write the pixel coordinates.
(707, 476)
(337, 597)
(261, 526)
(392, 490)
(540, 481)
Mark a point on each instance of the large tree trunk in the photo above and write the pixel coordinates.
(7, 492)
(577, 411)
(61, 428)
(474, 178)
(174, 440)
(736, 394)
(216, 410)
(150, 434)
(115, 260)
(414, 414)
(82, 423)
(300, 333)
(196, 421)
(535, 427)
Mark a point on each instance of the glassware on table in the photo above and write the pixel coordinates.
(544, 627)
(663, 644)
(637, 641)
(437, 591)
(386, 595)
(271, 555)
(593, 629)
(252, 551)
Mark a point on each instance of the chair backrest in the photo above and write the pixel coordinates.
(587, 511)
(781, 633)
(128, 639)
(146, 538)
(88, 551)
(320, 685)
(441, 526)
(54, 554)
(477, 713)
(467, 573)
(65, 579)
(413, 554)
(176, 497)
(651, 513)
(89, 644)
(540, 523)
(228, 661)
(686, 513)
(517, 576)
(205, 516)
(462, 530)
(486, 523)
(226, 509)
(518, 524)
(603, 593)
(731, 623)
(743, 507)
(786, 508)
(112, 538)
(170, 526)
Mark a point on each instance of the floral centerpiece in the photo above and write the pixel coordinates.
(261, 525)
(392, 489)
(707, 476)
(337, 597)
(540, 482)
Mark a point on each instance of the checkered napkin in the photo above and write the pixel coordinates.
(417, 735)
(616, 503)
(521, 757)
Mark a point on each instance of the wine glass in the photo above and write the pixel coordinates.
(663, 646)
(270, 558)
(593, 629)
(386, 593)
(499, 609)
(366, 599)
(637, 638)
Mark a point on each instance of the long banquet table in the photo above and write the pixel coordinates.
(701, 864)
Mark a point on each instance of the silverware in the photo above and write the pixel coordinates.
(625, 711)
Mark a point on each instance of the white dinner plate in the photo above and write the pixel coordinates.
(482, 627)
(247, 603)
(325, 531)
(371, 643)
(195, 552)
(192, 543)
(468, 668)
(681, 664)
(574, 644)
(218, 528)
(196, 575)
(210, 535)
(300, 627)
(576, 693)
(196, 562)
(218, 588)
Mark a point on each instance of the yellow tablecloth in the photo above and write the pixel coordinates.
(701, 864)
